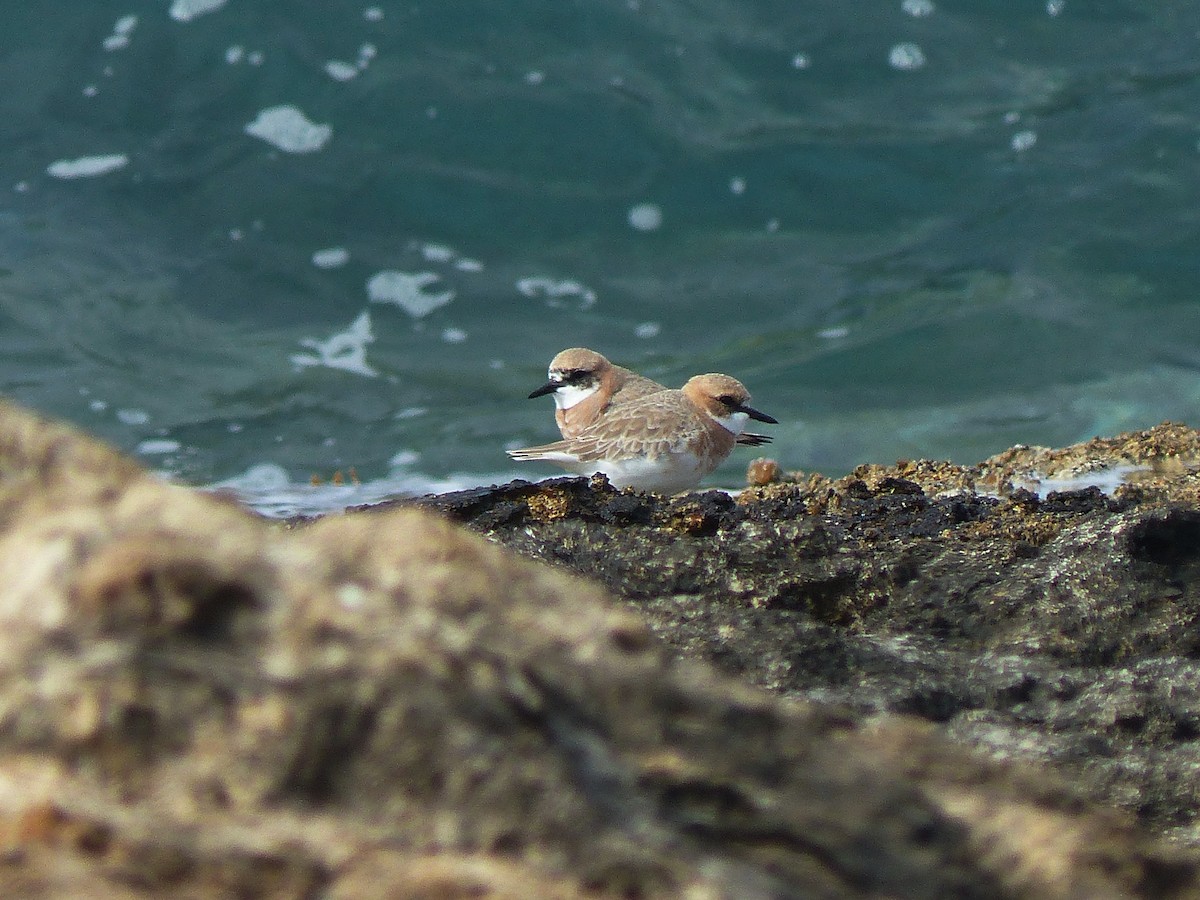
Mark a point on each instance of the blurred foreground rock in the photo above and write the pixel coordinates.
(196, 703)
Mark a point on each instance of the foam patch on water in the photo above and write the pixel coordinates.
(906, 57)
(1106, 478)
(647, 330)
(133, 416)
(645, 217)
(346, 350)
(87, 166)
(918, 8)
(438, 253)
(270, 491)
(1023, 140)
(443, 254)
(287, 128)
(186, 10)
(407, 290)
(555, 292)
(157, 447)
(341, 71)
(122, 30)
(331, 257)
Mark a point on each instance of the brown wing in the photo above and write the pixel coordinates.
(633, 386)
(650, 426)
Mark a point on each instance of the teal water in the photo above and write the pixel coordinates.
(256, 242)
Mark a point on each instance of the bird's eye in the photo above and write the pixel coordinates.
(728, 400)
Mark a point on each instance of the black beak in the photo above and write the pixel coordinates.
(548, 388)
(756, 415)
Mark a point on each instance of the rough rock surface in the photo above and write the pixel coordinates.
(1063, 629)
(197, 703)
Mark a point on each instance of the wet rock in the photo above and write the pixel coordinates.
(1060, 630)
(194, 702)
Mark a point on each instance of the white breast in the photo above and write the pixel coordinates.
(667, 474)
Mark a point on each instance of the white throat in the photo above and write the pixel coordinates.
(568, 395)
(734, 423)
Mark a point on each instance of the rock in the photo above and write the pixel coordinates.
(195, 702)
(763, 471)
(1060, 630)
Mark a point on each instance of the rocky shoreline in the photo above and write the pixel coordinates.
(916, 681)
(1059, 629)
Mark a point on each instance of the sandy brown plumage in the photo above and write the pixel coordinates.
(665, 441)
(578, 369)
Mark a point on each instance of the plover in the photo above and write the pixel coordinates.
(665, 441)
(586, 385)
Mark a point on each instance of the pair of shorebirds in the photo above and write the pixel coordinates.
(638, 432)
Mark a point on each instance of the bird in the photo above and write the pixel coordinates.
(664, 441)
(586, 385)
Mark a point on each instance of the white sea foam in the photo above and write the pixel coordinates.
(645, 217)
(918, 8)
(122, 30)
(906, 57)
(341, 71)
(1023, 140)
(186, 10)
(133, 416)
(1107, 479)
(157, 447)
(87, 166)
(269, 490)
(555, 292)
(407, 290)
(438, 253)
(287, 128)
(346, 350)
(331, 257)
(445, 254)
(647, 330)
